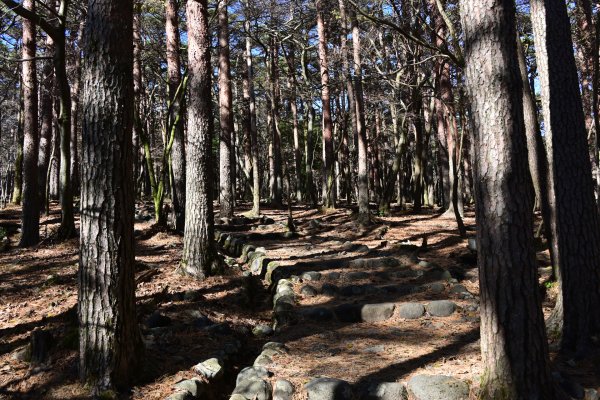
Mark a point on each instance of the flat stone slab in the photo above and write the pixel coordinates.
(437, 387)
(441, 308)
(328, 389)
(377, 312)
(411, 310)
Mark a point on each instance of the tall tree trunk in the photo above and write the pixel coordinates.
(176, 103)
(46, 107)
(138, 128)
(275, 169)
(575, 230)
(109, 337)
(226, 116)
(328, 155)
(309, 148)
(199, 249)
(249, 96)
(75, 93)
(30, 220)
(17, 195)
(363, 166)
(513, 338)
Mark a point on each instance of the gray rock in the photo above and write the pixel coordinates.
(254, 389)
(329, 289)
(262, 330)
(411, 310)
(357, 276)
(472, 244)
(352, 290)
(311, 276)
(279, 347)
(328, 389)
(334, 276)
(437, 274)
(348, 313)
(308, 291)
(320, 314)
(210, 369)
(283, 390)
(436, 287)
(181, 395)
(377, 312)
(252, 373)
(262, 360)
(387, 391)
(458, 289)
(194, 386)
(441, 308)
(437, 387)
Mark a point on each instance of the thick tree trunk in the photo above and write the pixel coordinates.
(137, 98)
(275, 170)
(30, 220)
(109, 336)
(575, 229)
(176, 103)
(328, 155)
(226, 116)
(199, 249)
(513, 338)
(309, 148)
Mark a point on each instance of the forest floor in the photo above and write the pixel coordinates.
(184, 321)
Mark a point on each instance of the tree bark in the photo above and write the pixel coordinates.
(364, 215)
(109, 336)
(513, 338)
(574, 216)
(30, 219)
(199, 249)
(226, 115)
(328, 155)
(46, 107)
(176, 103)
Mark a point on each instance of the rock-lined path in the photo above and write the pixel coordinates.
(346, 313)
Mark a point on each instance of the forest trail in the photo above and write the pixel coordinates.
(368, 305)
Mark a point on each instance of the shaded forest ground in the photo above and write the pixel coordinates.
(38, 289)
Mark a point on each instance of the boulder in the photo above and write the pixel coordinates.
(387, 391)
(254, 389)
(328, 389)
(181, 395)
(319, 314)
(283, 390)
(441, 308)
(437, 387)
(311, 276)
(411, 310)
(194, 386)
(377, 312)
(308, 291)
(348, 313)
(252, 373)
(210, 369)
(262, 330)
